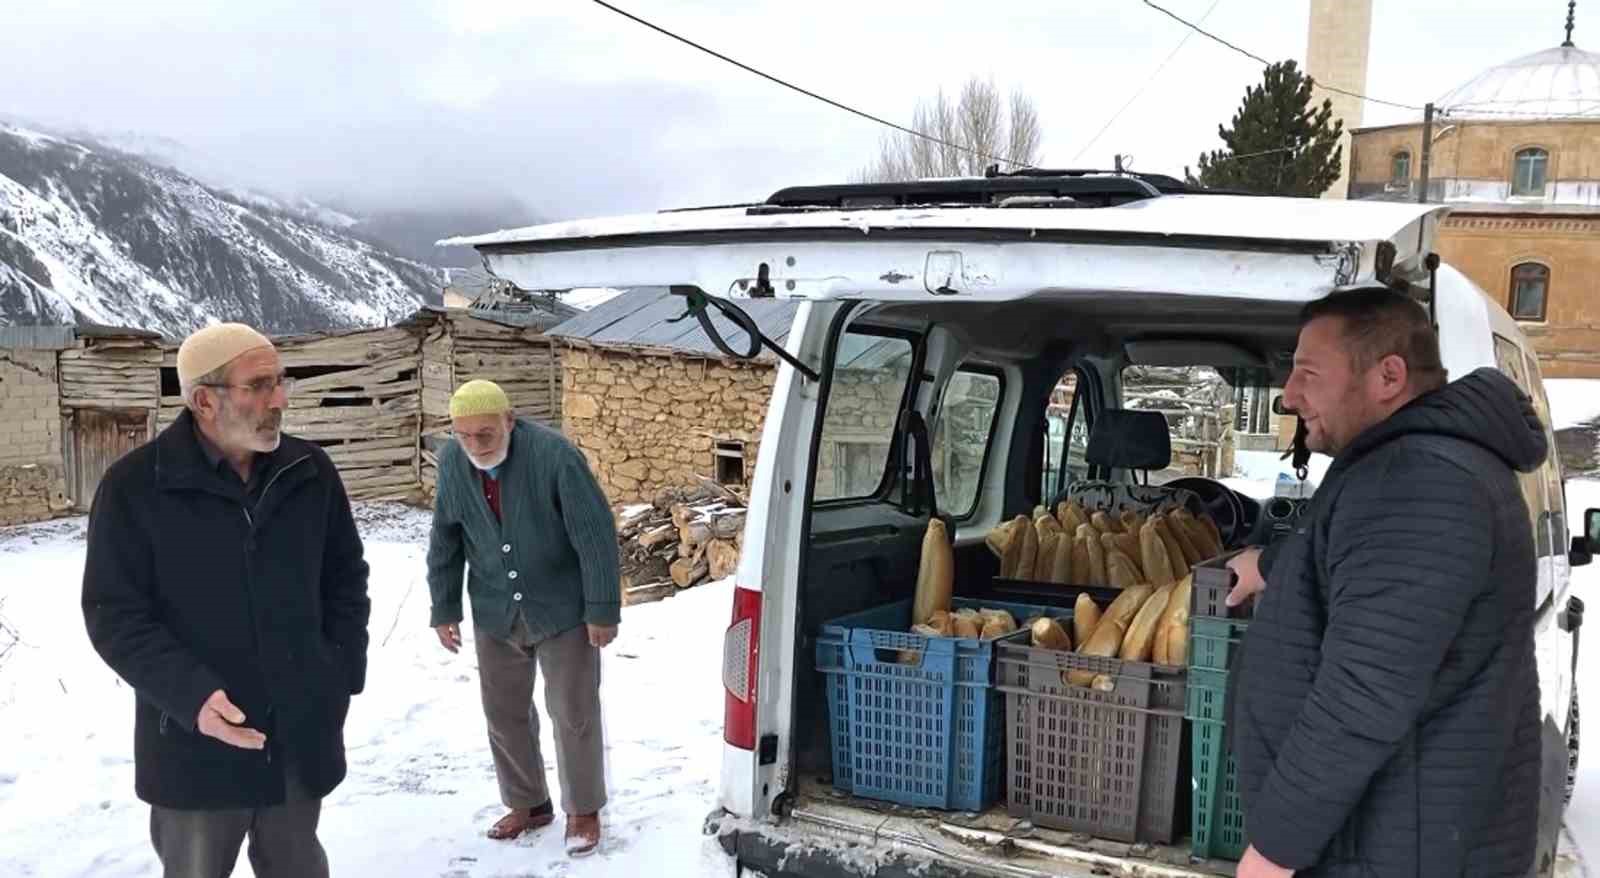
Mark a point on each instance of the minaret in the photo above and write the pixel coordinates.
(1572, 19)
(1336, 54)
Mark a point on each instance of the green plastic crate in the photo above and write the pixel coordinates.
(1217, 826)
(1212, 641)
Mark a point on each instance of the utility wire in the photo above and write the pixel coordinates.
(811, 94)
(1265, 63)
(1152, 78)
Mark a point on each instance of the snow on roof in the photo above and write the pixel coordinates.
(1228, 216)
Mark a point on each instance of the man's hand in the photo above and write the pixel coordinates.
(1246, 566)
(221, 720)
(1253, 865)
(600, 636)
(450, 636)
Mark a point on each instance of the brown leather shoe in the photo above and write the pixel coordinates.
(583, 834)
(522, 820)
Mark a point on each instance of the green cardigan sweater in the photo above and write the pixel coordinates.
(553, 555)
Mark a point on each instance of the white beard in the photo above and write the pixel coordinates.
(498, 459)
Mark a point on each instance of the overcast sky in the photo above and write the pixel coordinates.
(577, 111)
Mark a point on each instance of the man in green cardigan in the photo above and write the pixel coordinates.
(517, 505)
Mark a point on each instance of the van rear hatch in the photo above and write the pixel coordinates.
(1214, 245)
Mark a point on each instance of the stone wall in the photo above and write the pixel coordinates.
(647, 422)
(32, 483)
(857, 430)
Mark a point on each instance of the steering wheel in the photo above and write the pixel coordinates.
(1220, 502)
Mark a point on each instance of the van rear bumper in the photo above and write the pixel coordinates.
(821, 840)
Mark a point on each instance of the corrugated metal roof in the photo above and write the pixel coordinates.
(640, 318)
(38, 338)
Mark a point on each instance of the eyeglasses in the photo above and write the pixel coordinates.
(262, 386)
(481, 437)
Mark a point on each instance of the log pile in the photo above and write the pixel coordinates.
(685, 537)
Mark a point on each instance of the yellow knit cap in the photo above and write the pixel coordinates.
(213, 347)
(479, 397)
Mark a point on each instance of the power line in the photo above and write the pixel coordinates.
(811, 94)
(1265, 63)
(1152, 78)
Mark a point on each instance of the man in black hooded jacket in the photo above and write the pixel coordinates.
(1387, 713)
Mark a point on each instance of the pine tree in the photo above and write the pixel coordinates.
(1279, 143)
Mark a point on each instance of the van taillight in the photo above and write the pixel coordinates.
(740, 660)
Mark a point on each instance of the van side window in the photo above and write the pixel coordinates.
(961, 436)
(1508, 357)
(1066, 439)
(1555, 490)
(865, 396)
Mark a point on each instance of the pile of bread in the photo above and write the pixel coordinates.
(1121, 549)
(1145, 623)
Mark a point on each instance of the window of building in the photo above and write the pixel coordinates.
(728, 459)
(1400, 167)
(1529, 171)
(1530, 291)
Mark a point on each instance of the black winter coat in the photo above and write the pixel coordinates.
(189, 588)
(1387, 716)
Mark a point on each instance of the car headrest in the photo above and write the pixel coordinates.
(1130, 439)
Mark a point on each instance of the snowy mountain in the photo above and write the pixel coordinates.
(91, 234)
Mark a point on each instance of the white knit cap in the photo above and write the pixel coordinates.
(213, 347)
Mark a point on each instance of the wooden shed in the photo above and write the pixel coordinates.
(110, 384)
(502, 344)
(356, 395)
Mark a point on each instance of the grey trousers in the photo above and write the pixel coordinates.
(205, 844)
(506, 673)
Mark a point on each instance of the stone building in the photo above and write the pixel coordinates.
(1516, 152)
(32, 472)
(653, 403)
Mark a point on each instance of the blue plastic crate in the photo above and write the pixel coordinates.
(927, 735)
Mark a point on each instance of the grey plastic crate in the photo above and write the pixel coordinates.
(1082, 760)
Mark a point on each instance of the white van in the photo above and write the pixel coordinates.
(1009, 313)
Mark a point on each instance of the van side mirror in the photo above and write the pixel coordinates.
(1583, 547)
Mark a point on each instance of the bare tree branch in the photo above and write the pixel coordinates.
(975, 121)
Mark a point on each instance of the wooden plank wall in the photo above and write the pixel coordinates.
(525, 363)
(111, 375)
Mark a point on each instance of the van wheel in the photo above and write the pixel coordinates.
(1572, 743)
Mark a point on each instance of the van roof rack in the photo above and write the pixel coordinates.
(1023, 188)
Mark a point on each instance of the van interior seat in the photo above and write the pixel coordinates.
(1128, 439)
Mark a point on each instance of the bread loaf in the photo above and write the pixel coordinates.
(1173, 628)
(1157, 566)
(1048, 634)
(1105, 523)
(935, 574)
(1061, 567)
(1197, 534)
(1071, 516)
(1049, 542)
(1012, 559)
(968, 626)
(1211, 531)
(1141, 636)
(1106, 640)
(1096, 573)
(1085, 616)
(1180, 565)
(1126, 543)
(1121, 571)
(1185, 537)
(1030, 551)
(1130, 520)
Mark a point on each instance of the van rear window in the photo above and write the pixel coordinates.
(870, 375)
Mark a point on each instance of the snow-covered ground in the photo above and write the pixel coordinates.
(421, 790)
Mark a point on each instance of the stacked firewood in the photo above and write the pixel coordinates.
(684, 537)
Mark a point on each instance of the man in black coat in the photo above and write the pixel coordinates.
(1387, 715)
(225, 582)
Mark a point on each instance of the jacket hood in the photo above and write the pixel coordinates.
(1484, 407)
